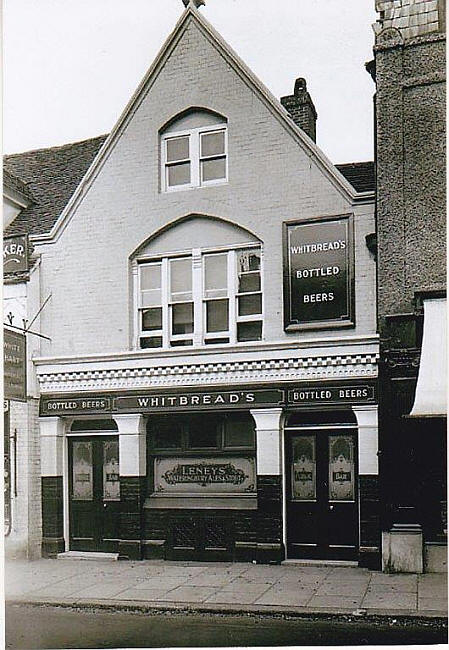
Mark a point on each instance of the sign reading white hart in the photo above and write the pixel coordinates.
(206, 476)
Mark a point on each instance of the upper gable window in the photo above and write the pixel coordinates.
(194, 151)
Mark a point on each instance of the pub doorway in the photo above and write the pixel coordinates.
(322, 485)
(94, 488)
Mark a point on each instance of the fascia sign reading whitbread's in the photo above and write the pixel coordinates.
(208, 400)
(318, 273)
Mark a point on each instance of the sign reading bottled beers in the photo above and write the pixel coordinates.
(318, 273)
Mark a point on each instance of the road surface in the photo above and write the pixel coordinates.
(30, 627)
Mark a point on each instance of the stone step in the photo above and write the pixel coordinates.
(88, 555)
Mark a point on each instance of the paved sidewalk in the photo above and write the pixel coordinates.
(226, 587)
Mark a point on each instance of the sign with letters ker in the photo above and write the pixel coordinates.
(318, 273)
(15, 253)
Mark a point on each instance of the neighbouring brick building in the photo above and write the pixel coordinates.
(209, 390)
(409, 71)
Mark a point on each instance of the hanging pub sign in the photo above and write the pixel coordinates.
(318, 273)
(14, 365)
(15, 253)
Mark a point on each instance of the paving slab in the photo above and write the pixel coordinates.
(410, 580)
(343, 602)
(189, 594)
(388, 601)
(138, 595)
(431, 604)
(160, 582)
(101, 591)
(356, 588)
(297, 598)
(210, 580)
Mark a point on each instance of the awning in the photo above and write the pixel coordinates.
(430, 396)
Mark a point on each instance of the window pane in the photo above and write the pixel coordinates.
(178, 149)
(248, 261)
(179, 174)
(203, 431)
(177, 344)
(239, 432)
(215, 273)
(249, 282)
(181, 276)
(82, 476)
(303, 468)
(165, 432)
(341, 468)
(212, 144)
(151, 298)
(249, 331)
(151, 342)
(152, 319)
(215, 341)
(250, 304)
(217, 317)
(213, 169)
(111, 471)
(182, 318)
(150, 276)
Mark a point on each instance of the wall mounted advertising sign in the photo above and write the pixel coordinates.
(14, 365)
(204, 475)
(15, 253)
(318, 273)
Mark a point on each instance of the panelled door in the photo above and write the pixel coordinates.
(322, 508)
(94, 493)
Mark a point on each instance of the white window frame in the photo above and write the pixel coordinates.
(195, 158)
(199, 336)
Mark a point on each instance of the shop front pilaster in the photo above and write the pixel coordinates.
(368, 485)
(132, 452)
(269, 547)
(52, 452)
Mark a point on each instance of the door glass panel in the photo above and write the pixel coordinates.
(303, 469)
(111, 471)
(341, 468)
(82, 471)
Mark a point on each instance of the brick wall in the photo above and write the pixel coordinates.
(25, 537)
(411, 171)
(271, 179)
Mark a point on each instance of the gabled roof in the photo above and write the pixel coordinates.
(58, 177)
(191, 14)
(50, 177)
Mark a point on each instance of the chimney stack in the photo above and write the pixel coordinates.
(301, 109)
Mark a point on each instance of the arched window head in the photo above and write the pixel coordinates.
(194, 151)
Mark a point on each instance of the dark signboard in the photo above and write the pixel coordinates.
(198, 401)
(291, 395)
(143, 403)
(15, 253)
(14, 365)
(318, 274)
(74, 405)
(330, 395)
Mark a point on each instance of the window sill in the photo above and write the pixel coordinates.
(188, 188)
(201, 502)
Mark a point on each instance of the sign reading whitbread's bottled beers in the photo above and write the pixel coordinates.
(318, 273)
